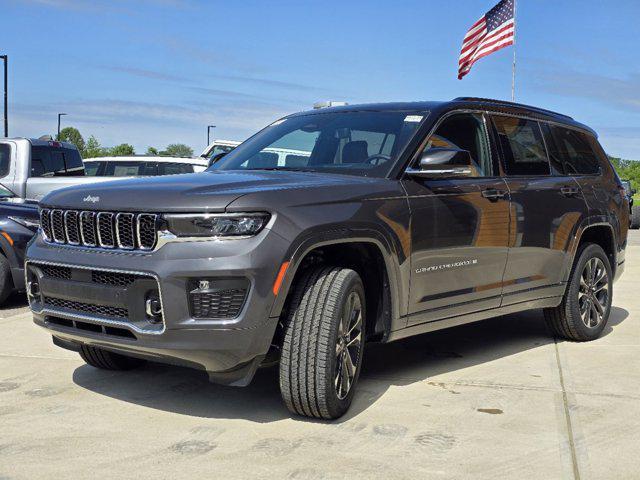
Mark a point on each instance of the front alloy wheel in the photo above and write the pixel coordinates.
(348, 345)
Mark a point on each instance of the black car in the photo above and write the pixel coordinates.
(19, 221)
(399, 219)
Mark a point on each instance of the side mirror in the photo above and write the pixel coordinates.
(444, 162)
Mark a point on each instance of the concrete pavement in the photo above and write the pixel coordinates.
(499, 399)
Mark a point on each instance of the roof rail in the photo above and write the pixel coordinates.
(512, 104)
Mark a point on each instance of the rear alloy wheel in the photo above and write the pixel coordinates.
(323, 342)
(585, 307)
(593, 293)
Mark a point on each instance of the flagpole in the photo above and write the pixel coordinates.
(513, 67)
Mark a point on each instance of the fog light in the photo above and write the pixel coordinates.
(33, 289)
(153, 308)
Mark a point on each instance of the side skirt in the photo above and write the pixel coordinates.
(473, 317)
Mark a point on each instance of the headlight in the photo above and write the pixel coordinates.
(215, 224)
(32, 223)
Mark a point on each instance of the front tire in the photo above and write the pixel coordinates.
(586, 304)
(323, 342)
(105, 360)
(6, 281)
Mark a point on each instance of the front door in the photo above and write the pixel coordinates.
(460, 228)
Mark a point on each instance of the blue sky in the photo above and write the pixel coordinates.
(153, 72)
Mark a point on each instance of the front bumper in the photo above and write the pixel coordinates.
(229, 349)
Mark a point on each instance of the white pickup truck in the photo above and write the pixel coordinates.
(31, 168)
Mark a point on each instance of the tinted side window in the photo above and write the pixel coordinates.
(522, 146)
(5, 159)
(130, 169)
(91, 168)
(46, 162)
(174, 168)
(466, 132)
(73, 162)
(575, 148)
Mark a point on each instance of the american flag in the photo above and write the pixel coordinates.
(495, 30)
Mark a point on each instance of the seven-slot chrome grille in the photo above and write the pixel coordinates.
(113, 230)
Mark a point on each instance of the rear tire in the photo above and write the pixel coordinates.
(635, 217)
(6, 281)
(586, 304)
(323, 342)
(105, 360)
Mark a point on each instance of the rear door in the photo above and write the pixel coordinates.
(459, 228)
(547, 206)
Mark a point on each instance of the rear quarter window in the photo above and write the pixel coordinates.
(576, 149)
(5, 159)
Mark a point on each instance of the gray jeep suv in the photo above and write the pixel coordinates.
(400, 219)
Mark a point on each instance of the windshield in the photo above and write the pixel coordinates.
(353, 143)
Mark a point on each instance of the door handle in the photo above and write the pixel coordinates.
(569, 191)
(494, 194)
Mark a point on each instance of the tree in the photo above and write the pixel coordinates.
(93, 148)
(122, 150)
(72, 135)
(152, 151)
(178, 150)
(628, 170)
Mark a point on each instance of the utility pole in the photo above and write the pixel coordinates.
(59, 115)
(6, 99)
(209, 127)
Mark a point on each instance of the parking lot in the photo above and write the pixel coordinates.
(496, 399)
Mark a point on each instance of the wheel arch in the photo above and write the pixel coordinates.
(353, 248)
(601, 233)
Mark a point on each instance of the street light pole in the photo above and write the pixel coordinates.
(209, 127)
(59, 115)
(6, 100)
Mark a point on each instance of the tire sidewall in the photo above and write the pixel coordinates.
(6, 282)
(572, 306)
(337, 406)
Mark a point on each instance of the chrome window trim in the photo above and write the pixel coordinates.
(97, 319)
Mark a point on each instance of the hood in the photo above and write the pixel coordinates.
(207, 191)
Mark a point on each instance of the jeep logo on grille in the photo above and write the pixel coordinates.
(91, 199)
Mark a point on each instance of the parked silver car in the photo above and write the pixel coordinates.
(31, 168)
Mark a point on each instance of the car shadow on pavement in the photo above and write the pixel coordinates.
(417, 359)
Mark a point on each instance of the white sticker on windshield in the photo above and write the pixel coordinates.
(413, 118)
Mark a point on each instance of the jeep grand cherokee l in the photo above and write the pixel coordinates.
(404, 218)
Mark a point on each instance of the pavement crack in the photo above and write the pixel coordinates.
(567, 415)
